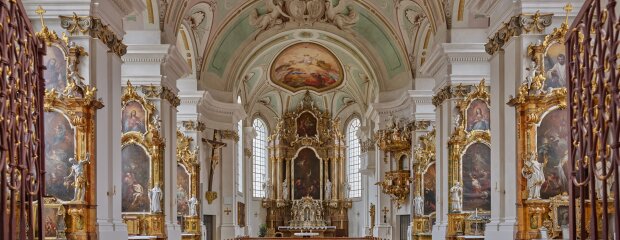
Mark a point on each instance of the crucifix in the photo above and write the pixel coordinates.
(227, 211)
(216, 146)
(385, 211)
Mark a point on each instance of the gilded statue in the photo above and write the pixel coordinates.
(533, 172)
(79, 180)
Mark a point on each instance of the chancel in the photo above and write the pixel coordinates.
(321, 119)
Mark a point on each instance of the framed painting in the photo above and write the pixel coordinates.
(306, 125)
(478, 116)
(241, 214)
(307, 66)
(136, 166)
(134, 117)
(552, 146)
(183, 187)
(555, 66)
(477, 177)
(428, 182)
(59, 148)
(307, 174)
(55, 73)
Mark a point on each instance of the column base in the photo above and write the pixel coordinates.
(498, 230)
(227, 231)
(440, 230)
(173, 231)
(382, 231)
(111, 229)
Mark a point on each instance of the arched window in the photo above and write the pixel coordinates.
(240, 153)
(354, 178)
(259, 158)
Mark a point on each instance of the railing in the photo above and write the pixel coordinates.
(21, 126)
(594, 102)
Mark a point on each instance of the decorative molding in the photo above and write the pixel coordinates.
(368, 145)
(450, 91)
(306, 12)
(229, 134)
(194, 125)
(517, 25)
(92, 26)
(163, 93)
(421, 125)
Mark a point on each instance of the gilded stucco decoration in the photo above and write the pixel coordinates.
(517, 25)
(536, 105)
(469, 161)
(194, 126)
(395, 141)
(424, 184)
(449, 92)
(188, 159)
(142, 149)
(70, 107)
(161, 92)
(307, 148)
(92, 26)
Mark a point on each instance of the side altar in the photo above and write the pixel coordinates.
(306, 189)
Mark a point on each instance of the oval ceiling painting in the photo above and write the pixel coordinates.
(307, 66)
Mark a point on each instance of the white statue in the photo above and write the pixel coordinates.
(599, 183)
(267, 187)
(418, 203)
(155, 196)
(285, 189)
(272, 18)
(79, 180)
(533, 172)
(455, 197)
(328, 190)
(337, 16)
(346, 188)
(192, 203)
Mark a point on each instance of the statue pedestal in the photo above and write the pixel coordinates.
(382, 231)
(79, 221)
(155, 224)
(534, 215)
(191, 227)
(456, 225)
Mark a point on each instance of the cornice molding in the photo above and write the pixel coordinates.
(232, 110)
(515, 26)
(94, 27)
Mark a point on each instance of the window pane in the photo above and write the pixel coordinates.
(353, 167)
(259, 158)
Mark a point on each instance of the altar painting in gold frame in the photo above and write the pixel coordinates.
(141, 160)
(307, 174)
(53, 218)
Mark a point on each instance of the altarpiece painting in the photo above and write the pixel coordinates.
(429, 190)
(477, 178)
(478, 116)
(306, 125)
(183, 187)
(136, 175)
(134, 117)
(55, 73)
(552, 147)
(59, 147)
(307, 174)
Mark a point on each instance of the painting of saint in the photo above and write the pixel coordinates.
(55, 73)
(307, 66)
(136, 174)
(552, 144)
(429, 190)
(183, 188)
(306, 125)
(478, 116)
(134, 118)
(52, 222)
(59, 147)
(477, 178)
(562, 216)
(555, 66)
(307, 174)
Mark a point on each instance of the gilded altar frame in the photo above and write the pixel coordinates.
(77, 103)
(187, 157)
(424, 154)
(532, 103)
(458, 144)
(284, 145)
(145, 223)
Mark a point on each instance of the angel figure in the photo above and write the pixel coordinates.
(271, 18)
(531, 74)
(79, 180)
(335, 15)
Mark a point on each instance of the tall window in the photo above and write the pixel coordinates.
(259, 149)
(353, 167)
(240, 153)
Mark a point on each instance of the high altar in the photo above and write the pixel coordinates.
(306, 190)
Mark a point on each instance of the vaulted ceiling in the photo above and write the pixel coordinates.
(230, 53)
